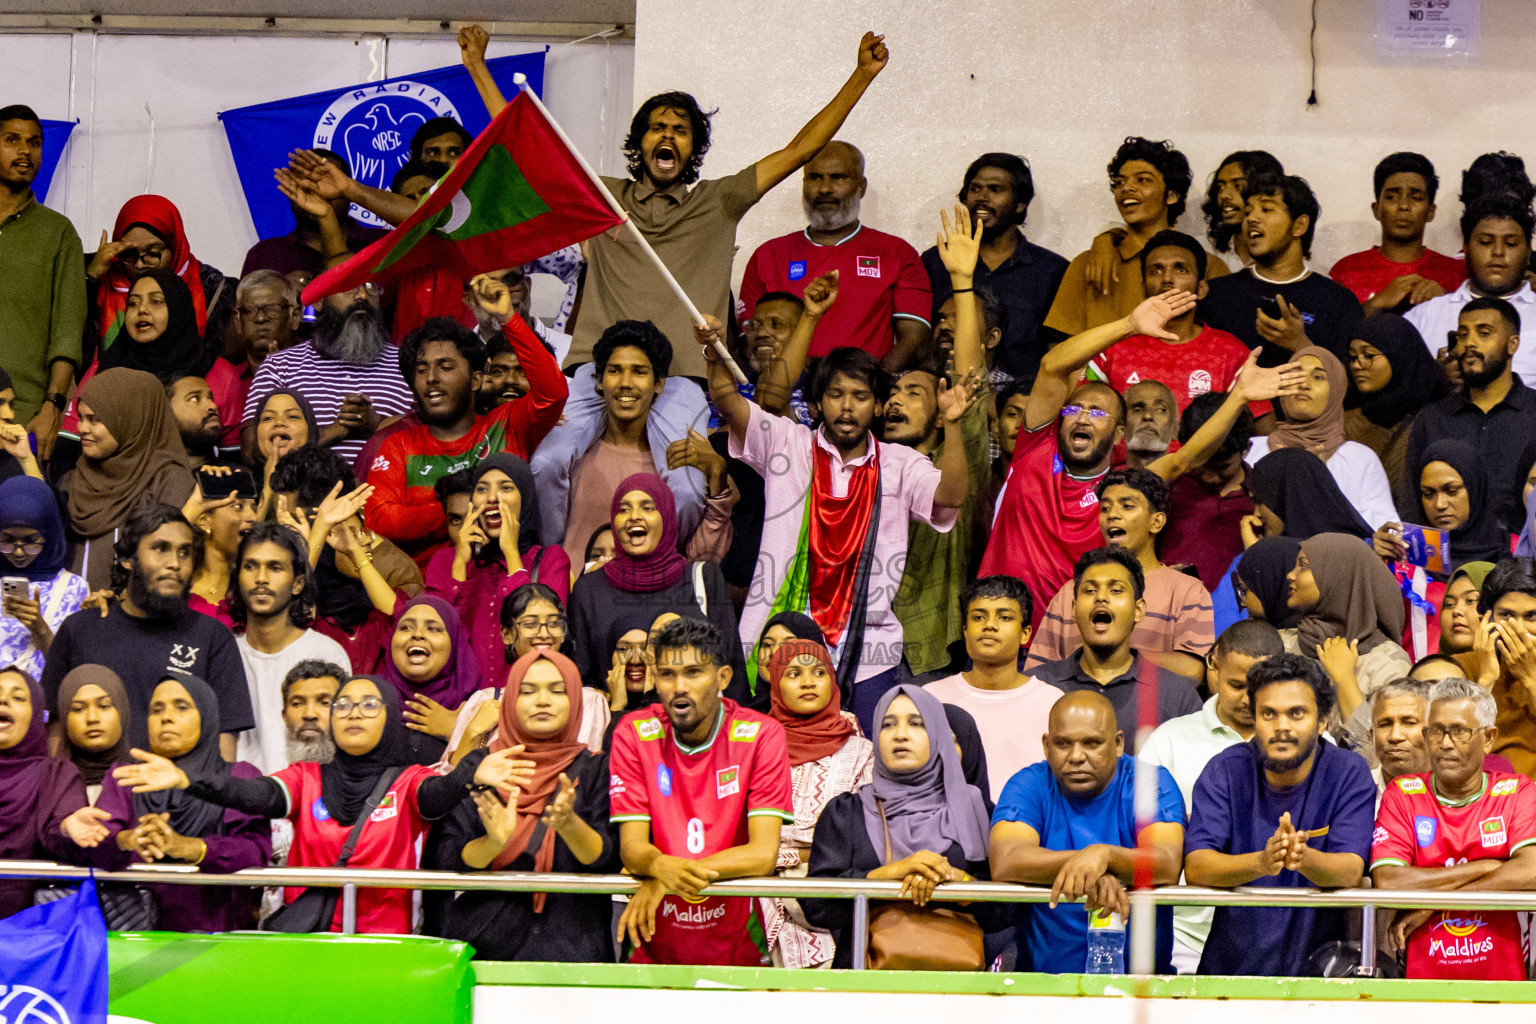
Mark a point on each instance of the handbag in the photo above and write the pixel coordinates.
(904, 937)
(315, 908)
(126, 908)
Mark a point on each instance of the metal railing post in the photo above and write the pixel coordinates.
(349, 909)
(860, 932)
(1368, 941)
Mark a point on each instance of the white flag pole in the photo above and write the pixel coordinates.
(521, 81)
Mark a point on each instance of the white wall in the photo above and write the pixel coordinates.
(177, 146)
(1062, 81)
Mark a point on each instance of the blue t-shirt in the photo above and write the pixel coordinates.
(1235, 811)
(1057, 940)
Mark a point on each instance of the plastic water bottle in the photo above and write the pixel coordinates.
(1106, 944)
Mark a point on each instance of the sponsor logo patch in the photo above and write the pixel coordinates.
(744, 731)
(664, 780)
(318, 812)
(1411, 784)
(1199, 383)
(1379, 836)
(1504, 787)
(1424, 829)
(615, 785)
(1494, 833)
(727, 781)
(869, 266)
(386, 809)
(796, 269)
(648, 728)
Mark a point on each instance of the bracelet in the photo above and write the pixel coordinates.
(361, 565)
(960, 291)
(202, 856)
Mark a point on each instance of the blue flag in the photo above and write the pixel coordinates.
(53, 962)
(55, 139)
(369, 125)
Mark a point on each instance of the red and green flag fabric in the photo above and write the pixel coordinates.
(517, 193)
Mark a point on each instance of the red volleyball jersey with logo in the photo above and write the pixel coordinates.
(879, 277)
(388, 840)
(698, 801)
(1207, 362)
(1045, 518)
(1414, 828)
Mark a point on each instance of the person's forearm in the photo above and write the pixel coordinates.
(1067, 358)
(777, 382)
(485, 85)
(478, 854)
(750, 860)
(331, 433)
(333, 241)
(1205, 441)
(584, 841)
(379, 592)
(1400, 876)
(953, 473)
(968, 348)
(1514, 875)
(387, 206)
(1032, 865)
(818, 131)
(548, 387)
(1179, 662)
(263, 797)
(728, 402)
(1222, 870)
(639, 858)
(1331, 870)
(61, 374)
(228, 745)
(1348, 690)
(438, 795)
(911, 337)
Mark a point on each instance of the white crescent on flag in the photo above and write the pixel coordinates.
(458, 214)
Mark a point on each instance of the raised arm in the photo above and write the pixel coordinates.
(331, 182)
(954, 402)
(733, 408)
(1255, 383)
(775, 167)
(472, 42)
(776, 383)
(959, 245)
(1062, 364)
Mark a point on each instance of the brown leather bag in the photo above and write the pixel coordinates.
(904, 937)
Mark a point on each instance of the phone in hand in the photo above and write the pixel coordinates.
(1270, 307)
(15, 588)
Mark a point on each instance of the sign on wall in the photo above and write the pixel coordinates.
(1428, 28)
(369, 125)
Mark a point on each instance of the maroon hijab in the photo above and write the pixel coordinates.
(31, 782)
(460, 675)
(662, 567)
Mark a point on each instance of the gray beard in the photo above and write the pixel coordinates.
(1147, 443)
(320, 751)
(357, 341)
(843, 215)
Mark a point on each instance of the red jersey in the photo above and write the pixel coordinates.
(404, 506)
(1045, 518)
(697, 801)
(388, 840)
(1366, 273)
(1415, 828)
(1207, 362)
(879, 277)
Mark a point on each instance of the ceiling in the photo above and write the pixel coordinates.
(52, 12)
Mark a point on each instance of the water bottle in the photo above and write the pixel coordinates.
(1106, 944)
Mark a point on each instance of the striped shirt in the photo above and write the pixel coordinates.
(325, 382)
(1179, 618)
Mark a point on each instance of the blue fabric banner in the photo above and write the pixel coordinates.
(369, 125)
(55, 139)
(53, 962)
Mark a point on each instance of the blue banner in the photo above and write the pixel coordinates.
(369, 125)
(53, 962)
(55, 139)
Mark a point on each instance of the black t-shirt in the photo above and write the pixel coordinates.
(1331, 311)
(144, 651)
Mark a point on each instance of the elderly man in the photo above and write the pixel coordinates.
(1458, 826)
(1070, 822)
(1151, 421)
(267, 313)
(308, 689)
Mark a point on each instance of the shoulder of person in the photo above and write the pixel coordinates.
(748, 726)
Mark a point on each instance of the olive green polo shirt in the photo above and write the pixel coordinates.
(42, 299)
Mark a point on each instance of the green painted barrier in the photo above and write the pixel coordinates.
(262, 978)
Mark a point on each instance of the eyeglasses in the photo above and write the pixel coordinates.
(266, 311)
(133, 257)
(368, 707)
(553, 624)
(1068, 411)
(1459, 734)
(10, 547)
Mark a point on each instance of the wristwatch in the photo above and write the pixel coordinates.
(57, 400)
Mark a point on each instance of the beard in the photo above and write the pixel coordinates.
(321, 749)
(1092, 460)
(355, 337)
(840, 216)
(202, 441)
(1147, 441)
(999, 227)
(152, 603)
(1492, 370)
(1285, 764)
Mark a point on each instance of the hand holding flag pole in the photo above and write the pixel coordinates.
(521, 81)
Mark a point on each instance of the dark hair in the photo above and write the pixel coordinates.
(1012, 389)
(301, 610)
(1292, 668)
(1199, 411)
(1105, 556)
(19, 112)
(1179, 239)
(498, 346)
(1017, 168)
(1252, 638)
(440, 328)
(641, 334)
(1009, 588)
(414, 168)
(517, 602)
(146, 516)
(1494, 173)
(1509, 576)
(1169, 162)
(1496, 205)
(994, 315)
(309, 473)
(698, 118)
(1254, 162)
(170, 380)
(680, 634)
(586, 552)
(1296, 194)
(435, 127)
(314, 668)
(460, 482)
(789, 297)
(1430, 659)
(1406, 163)
(1503, 307)
(1145, 482)
(850, 362)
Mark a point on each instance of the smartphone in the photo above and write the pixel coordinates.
(15, 587)
(1270, 307)
(239, 480)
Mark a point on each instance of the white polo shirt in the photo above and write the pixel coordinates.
(1437, 317)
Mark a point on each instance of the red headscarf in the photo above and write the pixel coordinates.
(815, 736)
(662, 567)
(159, 215)
(550, 757)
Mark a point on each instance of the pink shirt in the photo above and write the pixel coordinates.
(1011, 722)
(780, 451)
(229, 384)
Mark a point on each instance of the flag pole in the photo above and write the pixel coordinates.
(521, 81)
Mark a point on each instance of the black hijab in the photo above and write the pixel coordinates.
(1417, 378)
(1481, 539)
(338, 597)
(346, 782)
(1263, 569)
(1296, 485)
(528, 522)
(973, 756)
(179, 349)
(798, 623)
(189, 815)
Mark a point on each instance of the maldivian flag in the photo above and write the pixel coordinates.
(516, 194)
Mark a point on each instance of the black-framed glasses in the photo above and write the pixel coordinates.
(10, 546)
(368, 707)
(133, 257)
(552, 624)
(265, 311)
(1459, 734)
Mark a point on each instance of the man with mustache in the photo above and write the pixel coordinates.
(997, 190)
(197, 418)
(884, 302)
(267, 313)
(42, 284)
(274, 596)
(308, 689)
(1287, 810)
